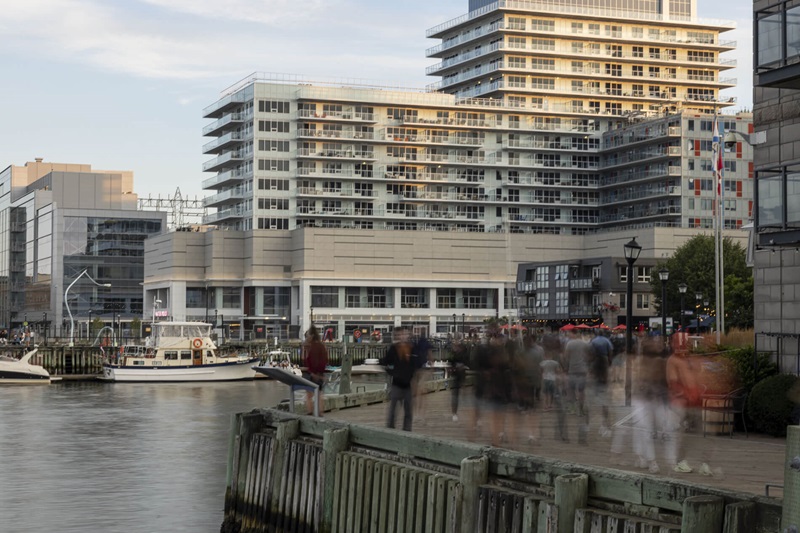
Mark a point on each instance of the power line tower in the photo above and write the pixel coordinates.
(181, 212)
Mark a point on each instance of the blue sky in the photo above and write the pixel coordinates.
(121, 84)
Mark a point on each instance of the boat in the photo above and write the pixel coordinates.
(22, 371)
(280, 359)
(177, 352)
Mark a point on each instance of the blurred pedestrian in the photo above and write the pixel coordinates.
(401, 364)
(315, 359)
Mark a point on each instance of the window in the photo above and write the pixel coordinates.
(231, 297)
(637, 51)
(273, 184)
(195, 298)
(273, 203)
(543, 25)
(516, 42)
(278, 165)
(273, 223)
(273, 106)
(324, 296)
(637, 70)
(577, 27)
(613, 69)
(517, 62)
(623, 274)
(445, 298)
(278, 126)
(273, 146)
(594, 29)
(642, 301)
(643, 274)
(542, 277)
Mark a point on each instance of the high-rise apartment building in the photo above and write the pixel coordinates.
(552, 122)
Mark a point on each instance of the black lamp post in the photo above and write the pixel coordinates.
(682, 289)
(698, 296)
(463, 321)
(663, 275)
(455, 326)
(632, 251)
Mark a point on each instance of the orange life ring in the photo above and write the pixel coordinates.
(197, 343)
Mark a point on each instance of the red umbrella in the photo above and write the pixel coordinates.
(602, 326)
(518, 326)
(621, 326)
(567, 327)
(582, 326)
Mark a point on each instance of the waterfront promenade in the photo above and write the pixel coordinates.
(747, 463)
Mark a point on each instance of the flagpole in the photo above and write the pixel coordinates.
(719, 221)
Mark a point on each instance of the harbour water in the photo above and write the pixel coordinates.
(95, 457)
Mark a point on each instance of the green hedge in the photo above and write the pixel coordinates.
(769, 406)
(742, 361)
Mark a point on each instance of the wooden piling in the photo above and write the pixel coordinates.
(572, 493)
(334, 441)
(740, 516)
(791, 480)
(702, 514)
(286, 431)
(474, 473)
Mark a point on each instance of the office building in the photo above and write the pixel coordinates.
(776, 247)
(58, 220)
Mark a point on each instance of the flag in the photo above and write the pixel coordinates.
(717, 166)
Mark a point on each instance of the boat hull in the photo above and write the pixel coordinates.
(238, 370)
(10, 377)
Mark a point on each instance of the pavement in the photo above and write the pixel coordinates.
(740, 463)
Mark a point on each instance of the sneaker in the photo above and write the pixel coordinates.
(705, 470)
(682, 467)
(653, 468)
(455, 418)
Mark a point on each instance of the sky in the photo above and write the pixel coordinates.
(121, 84)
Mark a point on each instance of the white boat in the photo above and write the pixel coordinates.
(177, 351)
(21, 371)
(280, 359)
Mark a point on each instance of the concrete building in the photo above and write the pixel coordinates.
(776, 100)
(57, 220)
(371, 207)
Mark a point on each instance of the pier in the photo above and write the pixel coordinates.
(346, 472)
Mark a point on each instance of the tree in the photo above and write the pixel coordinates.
(693, 264)
(136, 327)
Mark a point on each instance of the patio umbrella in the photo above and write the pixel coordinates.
(602, 326)
(567, 327)
(582, 326)
(518, 326)
(621, 326)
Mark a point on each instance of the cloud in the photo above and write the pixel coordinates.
(268, 12)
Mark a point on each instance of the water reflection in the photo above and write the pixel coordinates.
(94, 457)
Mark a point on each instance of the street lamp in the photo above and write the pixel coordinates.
(463, 321)
(85, 272)
(455, 326)
(663, 275)
(682, 288)
(632, 251)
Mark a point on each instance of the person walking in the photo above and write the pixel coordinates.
(315, 360)
(401, 365)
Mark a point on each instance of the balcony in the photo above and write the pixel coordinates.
(227, 178)
(582, 311)
(227, 215)
(226, 160)
(233, 119)
(226, 141)
(335, 116)
(584, 284)
(526, 287)
(219, 107)
(231, 196)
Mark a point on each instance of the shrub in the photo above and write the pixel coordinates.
(769, 405)
(742, 361)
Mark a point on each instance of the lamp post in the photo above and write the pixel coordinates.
(682, 289)
(84, 272)
(632, 250)
(455, 326)
(663, 275)
(698, 297)
(463, 321)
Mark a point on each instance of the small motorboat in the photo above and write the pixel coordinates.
(21, 371)
(280, 359)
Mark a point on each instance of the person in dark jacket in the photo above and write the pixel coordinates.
(401, 364)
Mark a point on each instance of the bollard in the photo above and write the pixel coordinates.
(702, 514)
(344, 376)
(572, 493)
(474, 473)
(791, 480)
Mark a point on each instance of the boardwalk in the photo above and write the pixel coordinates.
(747, 463)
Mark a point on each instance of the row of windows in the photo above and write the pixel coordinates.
(273, 106)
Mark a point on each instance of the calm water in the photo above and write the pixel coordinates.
(128, 458)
